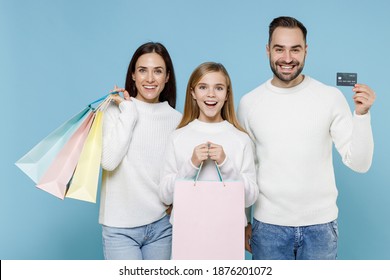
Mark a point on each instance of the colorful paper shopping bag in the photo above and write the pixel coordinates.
(38, 159)
(59, 173)
(84, 183)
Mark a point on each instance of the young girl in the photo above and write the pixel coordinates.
(135, 133)
(210, 133)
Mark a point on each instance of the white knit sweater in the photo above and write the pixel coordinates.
(293, 130)
(135, 135)
(238, 165)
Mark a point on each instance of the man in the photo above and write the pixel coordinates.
(293, 121)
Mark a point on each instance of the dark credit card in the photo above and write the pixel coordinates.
(346, 79)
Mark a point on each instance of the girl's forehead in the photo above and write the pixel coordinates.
(213, 78)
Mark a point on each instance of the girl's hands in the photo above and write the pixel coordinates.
(216, 153)
(117, 98)
(199, 154)
(208, 150)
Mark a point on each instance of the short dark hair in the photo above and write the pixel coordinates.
(169, 91)
(288, 22)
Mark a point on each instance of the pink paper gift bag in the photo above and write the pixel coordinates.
(57, 177)
(208, 221)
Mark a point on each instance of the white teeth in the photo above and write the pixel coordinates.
(286, 67)
(210, 102)
(150, 87)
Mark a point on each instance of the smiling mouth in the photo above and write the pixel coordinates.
(210, 103)
(150, 87)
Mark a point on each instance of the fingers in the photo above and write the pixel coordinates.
(248, 236)
(116, 96)
(216, 152)
(208, 150)
(117, 89)
(126, 95)
(364, 98)
(199, 154)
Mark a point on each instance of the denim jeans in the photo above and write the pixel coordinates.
(148, 242)
(273, 242)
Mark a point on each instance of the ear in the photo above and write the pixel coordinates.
(193, 94)
(167, 78)
(133, 76)
(268, 50)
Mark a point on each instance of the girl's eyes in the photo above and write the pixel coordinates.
(203, 87)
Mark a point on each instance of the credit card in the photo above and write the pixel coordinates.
(346, 79)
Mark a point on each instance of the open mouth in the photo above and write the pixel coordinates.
(150, 87)
(211, 103)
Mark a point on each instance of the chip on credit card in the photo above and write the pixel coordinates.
(346, 79)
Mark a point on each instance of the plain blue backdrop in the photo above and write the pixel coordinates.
(56, 56)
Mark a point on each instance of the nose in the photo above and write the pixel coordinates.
(287, 56)
(210, 92)
(150, 77)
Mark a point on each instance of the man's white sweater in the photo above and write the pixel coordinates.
(135, 135)
(293, 130)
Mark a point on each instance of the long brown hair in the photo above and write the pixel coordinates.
(191, 109)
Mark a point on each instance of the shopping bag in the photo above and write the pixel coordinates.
(38, 159)
(59, 173)
(208, 220)
(84, 183)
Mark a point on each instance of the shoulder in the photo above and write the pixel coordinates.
(324, 88)
(171, 111)
(252, 96)
(183, 134)
(239, 135)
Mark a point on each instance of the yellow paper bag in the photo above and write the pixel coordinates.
(84, 184)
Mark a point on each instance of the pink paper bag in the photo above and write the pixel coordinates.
(56, 178)
(208, 221)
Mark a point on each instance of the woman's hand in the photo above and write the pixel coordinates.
(117, 98)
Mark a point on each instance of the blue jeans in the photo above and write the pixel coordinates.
(148, 242)
(273, 242)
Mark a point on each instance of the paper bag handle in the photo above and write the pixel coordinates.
(218, 171)
(102, 98)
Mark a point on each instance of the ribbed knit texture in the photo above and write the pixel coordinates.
(238, 165)
(293, 130)
(135, 135)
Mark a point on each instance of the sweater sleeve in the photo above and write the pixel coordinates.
(118, 125)
(246, 173)
(171, 171)
(168, 174)
(353, 138)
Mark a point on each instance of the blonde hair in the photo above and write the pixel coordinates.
(191, 109)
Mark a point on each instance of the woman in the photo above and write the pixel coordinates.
(135, 132)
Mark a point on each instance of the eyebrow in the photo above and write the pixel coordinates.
(205, 84)
(292, 47)
(145, 67)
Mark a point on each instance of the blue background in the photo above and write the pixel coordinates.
(57, 56)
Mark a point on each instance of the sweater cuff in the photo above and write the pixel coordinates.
(366, 116)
